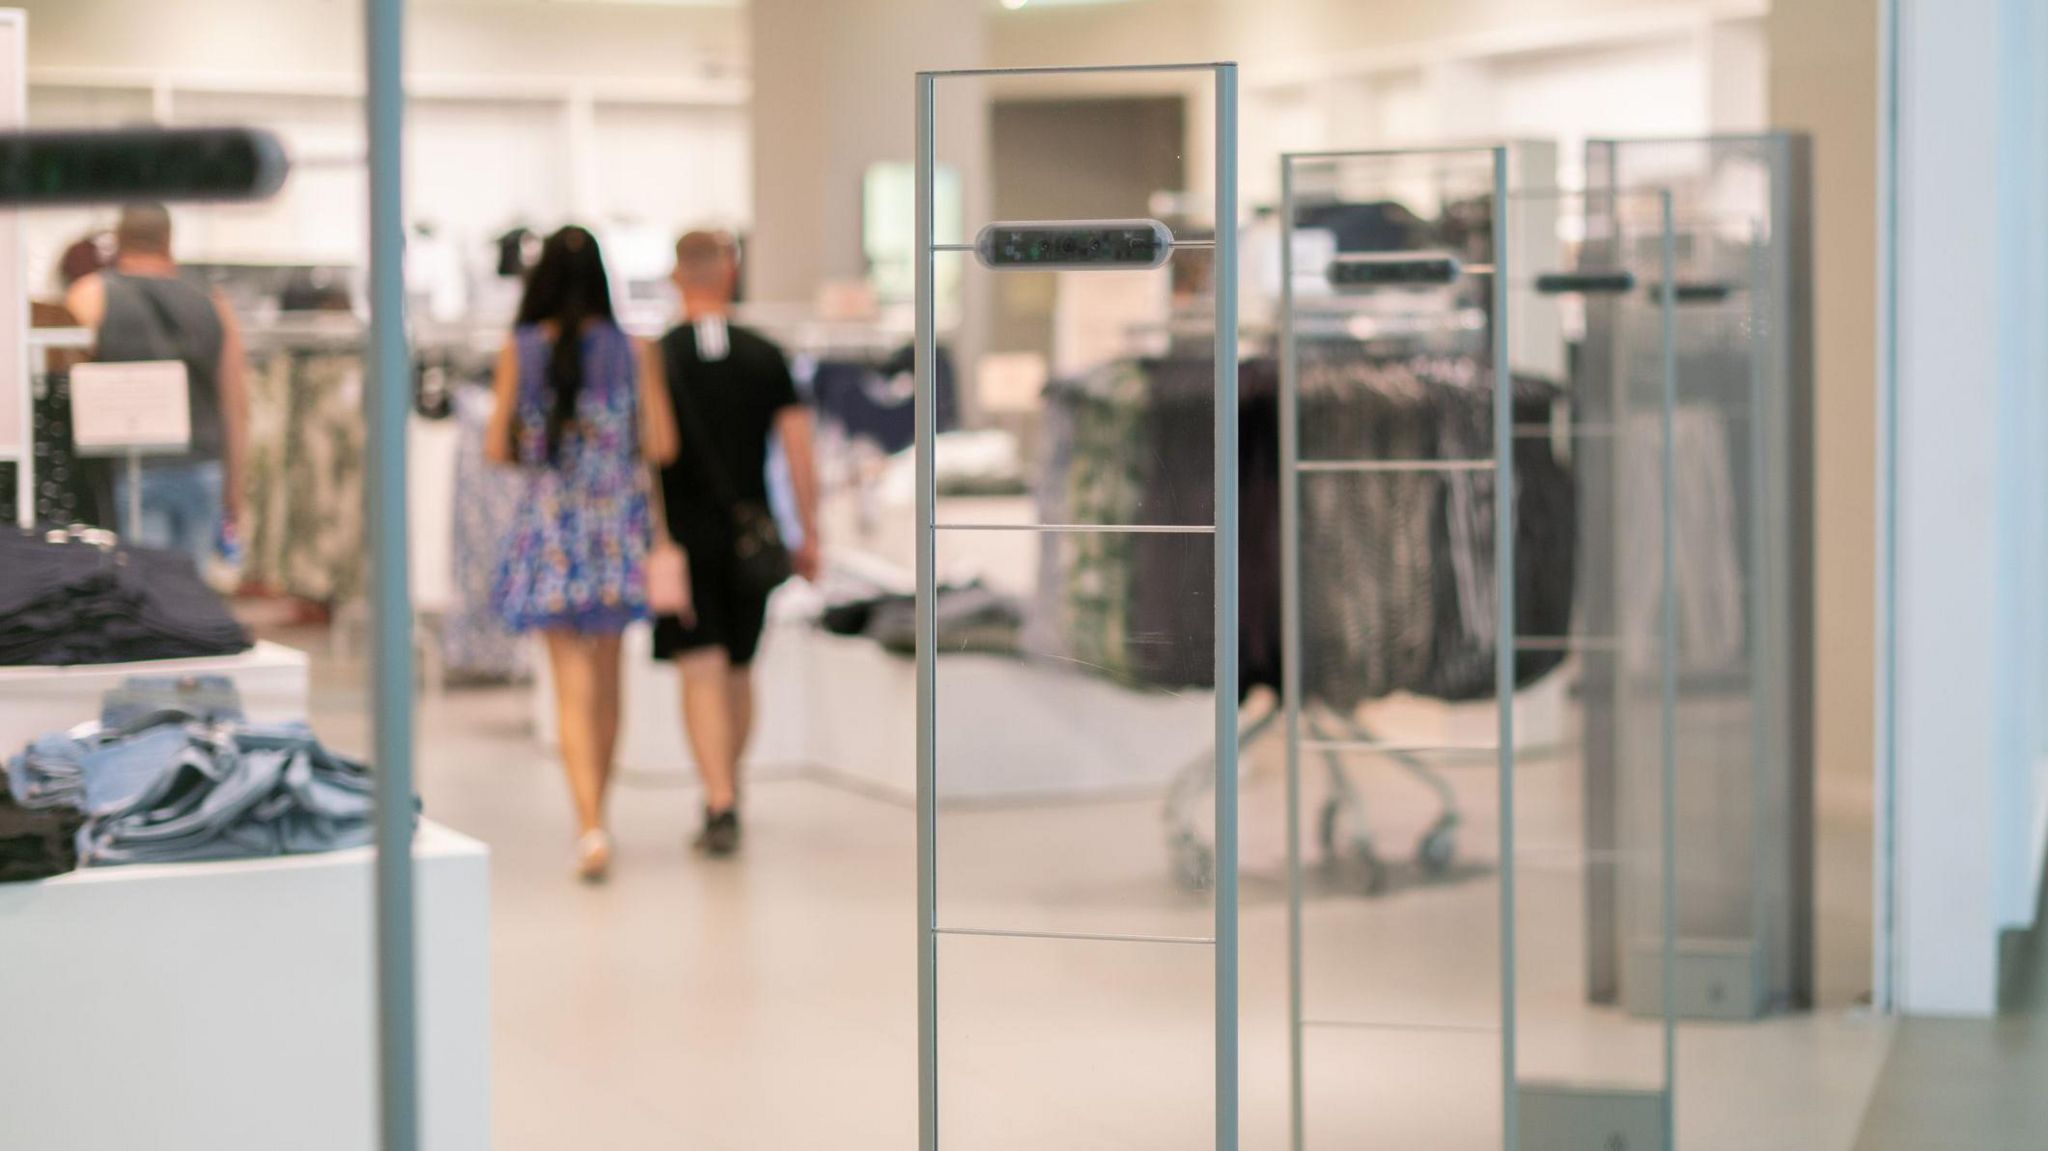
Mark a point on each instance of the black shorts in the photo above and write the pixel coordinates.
(729, 616)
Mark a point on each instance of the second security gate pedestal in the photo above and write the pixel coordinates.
(1434, 475)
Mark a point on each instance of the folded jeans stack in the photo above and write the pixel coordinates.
(177, 785)
(73, 602)
(230, 791)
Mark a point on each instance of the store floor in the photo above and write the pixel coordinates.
(770, 1001)
(1970, 1083)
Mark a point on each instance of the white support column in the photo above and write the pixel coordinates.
(579, 131)
(1968, 456)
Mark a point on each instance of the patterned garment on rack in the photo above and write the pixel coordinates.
(1398, 568)
(303, 489)
(1367, 586)
(1097, 479)
(576, 555)
(69, 489)
(262, 529)
(475, 642)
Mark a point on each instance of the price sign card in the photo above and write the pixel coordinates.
(143, 407)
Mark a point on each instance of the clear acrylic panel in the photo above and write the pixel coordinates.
(1098, 1046)
(1746, 806)
(1398, 628)
(1389, 337)
(1371, 1088)
(1400, 885)
(1591, 835)
(1074, 699)
(1074, 695)
(1102, 383)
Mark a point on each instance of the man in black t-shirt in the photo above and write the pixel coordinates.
(732, 393)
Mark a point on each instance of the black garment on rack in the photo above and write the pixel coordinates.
(858, 396)
(69, 490)
(1178, 629)
(1406, 603)
(77, 603)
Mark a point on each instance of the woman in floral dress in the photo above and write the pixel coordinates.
(582, 410)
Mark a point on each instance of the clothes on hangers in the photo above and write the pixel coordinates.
(1398, 571)
(871, 400)
(1397, 578)
(475, 642)
(1712, 613)
(304, 490)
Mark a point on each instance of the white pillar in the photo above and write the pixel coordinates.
(1968, 493)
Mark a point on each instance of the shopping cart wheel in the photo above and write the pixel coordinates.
(1194, 863)
(1439, 848)
(1372, 871)
(1326, 827)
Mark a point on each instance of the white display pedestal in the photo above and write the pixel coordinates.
(272, 679)
(1060, 735)
(194, 1007)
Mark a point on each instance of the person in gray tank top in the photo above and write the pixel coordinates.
(139, 309)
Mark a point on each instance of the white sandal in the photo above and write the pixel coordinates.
(593, 856)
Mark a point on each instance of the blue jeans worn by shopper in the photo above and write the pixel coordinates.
(181, 507)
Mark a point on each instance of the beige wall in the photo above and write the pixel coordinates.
(833, 93)
(1823, 80)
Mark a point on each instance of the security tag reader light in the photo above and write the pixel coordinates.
(1066, 244)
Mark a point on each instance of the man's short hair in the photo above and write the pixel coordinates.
(703, 259)
(145, 228)
(701, 248)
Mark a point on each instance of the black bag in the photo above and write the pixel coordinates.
(760, 558)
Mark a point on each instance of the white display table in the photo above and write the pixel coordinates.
(202, 1006)
(272, 679)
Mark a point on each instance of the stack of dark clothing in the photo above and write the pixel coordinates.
(36, 844)
(172, 773)
(66, 600)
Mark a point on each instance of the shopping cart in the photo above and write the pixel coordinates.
(1350, 848)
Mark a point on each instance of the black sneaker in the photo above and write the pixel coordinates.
(721, 834)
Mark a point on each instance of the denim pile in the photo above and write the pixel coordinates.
(172, 773)
(76, 598)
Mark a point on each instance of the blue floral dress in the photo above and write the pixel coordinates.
(575, 557)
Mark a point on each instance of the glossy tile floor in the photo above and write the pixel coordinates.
(1970, 1083)
(768, 1002)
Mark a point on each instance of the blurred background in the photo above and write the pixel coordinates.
(1859, 186)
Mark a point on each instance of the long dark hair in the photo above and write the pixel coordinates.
(567, 288)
